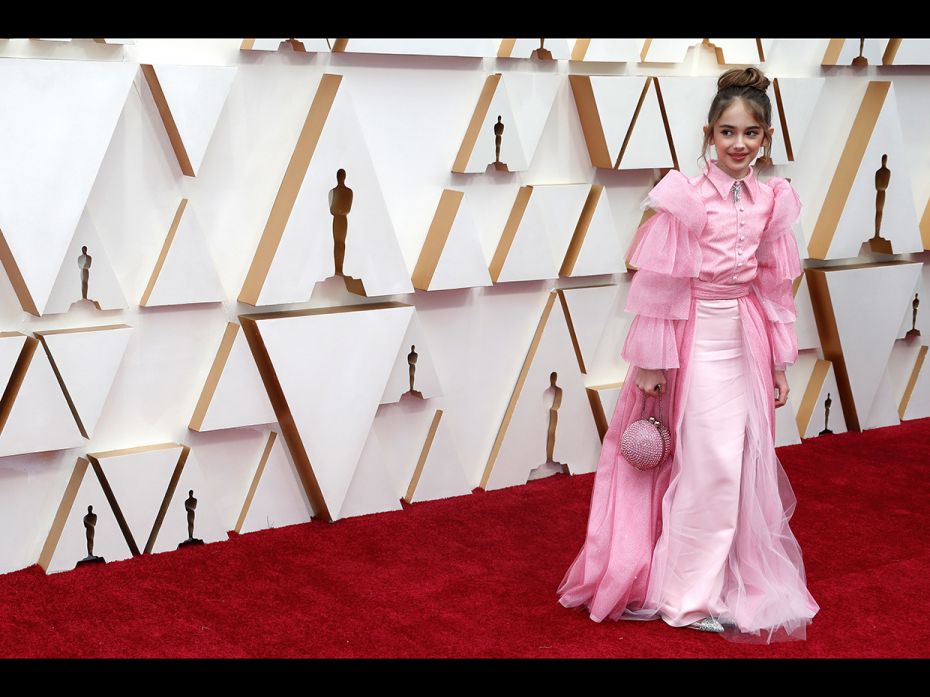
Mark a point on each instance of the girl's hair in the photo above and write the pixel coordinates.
(749, 85)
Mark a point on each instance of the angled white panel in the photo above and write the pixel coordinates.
(40, 418)
(372, 489)
(577, 443)
(461, 263)
(531, 97)
(333, 368)
(918, 405)
(616, 99)
(87, 361)
(103, 287)
(305, 254)
(309, 45)
(806, 325)
(559, 48)
(207, 524)
(402, 429)
(866, 328)
(484, 151)
(686, 100)
(670, 50)
(742, 51)
(648, 143)
(238, 395)
(884, 408)
(601, 251)
(442, 474)
(279, 498)
(425, 378)
(11, 345)
(195, 95)
(899, 218)
(872, 49)
(799, 96)
(426, 47)
(109, 542)
(608, 396)
(139, 479)
(184, 273)
(49, 163)
(613, 50)
(590, 308)
(913, 51)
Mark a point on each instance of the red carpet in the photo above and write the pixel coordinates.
(475, 576)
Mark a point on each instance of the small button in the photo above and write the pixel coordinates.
(741, 236)
(741, 208)
(742, 222)
(739, 249)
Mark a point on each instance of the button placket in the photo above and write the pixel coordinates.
(738, 203)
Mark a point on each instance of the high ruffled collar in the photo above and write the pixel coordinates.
(723, 182)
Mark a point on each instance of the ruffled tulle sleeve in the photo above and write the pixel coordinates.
(666, 257)
(779, 265)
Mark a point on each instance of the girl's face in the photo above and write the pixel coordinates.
(737, 137)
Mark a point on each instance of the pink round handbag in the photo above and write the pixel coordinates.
(646, 443)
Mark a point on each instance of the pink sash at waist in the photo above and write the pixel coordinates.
(718, 291)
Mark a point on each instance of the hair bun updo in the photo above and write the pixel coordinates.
(742, 78)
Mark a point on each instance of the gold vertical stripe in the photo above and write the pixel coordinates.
(810, 401)
(832, 53)
(166, 501)
(253, 487)
(591, 127)
(506, 48)
(436, 238)
(165, 248)
(629, 131)
(571, 331)
(477, 120)
(424, 453)
(581, 230)
(171, 127)
(16, 278)
(61, 515)
(912, 381)
(580, 49)
(213, 378)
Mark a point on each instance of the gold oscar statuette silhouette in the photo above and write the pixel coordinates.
(190, 505)
(542, 53)
(826, 416)
(877, 243)
(412, 368)
(340, 203)
(913, 332)
(498, 138)
(90, 522)
(860, 61)
(550, 466)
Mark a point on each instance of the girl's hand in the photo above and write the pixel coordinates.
(646, 380)
(781, 384)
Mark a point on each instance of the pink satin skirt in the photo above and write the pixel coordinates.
(703, 515)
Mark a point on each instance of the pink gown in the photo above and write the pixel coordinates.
(706, 533)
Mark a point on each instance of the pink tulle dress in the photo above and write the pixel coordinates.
(705, 534)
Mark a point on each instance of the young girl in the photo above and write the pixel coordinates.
(703, 540)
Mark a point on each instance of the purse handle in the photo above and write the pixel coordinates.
(645, 402)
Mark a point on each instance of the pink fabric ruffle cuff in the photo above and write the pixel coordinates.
(651, 343)
(658, 295)
(784, 344)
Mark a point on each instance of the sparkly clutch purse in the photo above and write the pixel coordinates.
(646, 443)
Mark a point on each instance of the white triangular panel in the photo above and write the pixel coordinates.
(608, 396)
(686, 100)
(279, 497)
(531, 97)
(49, 163)
(103, 287)
(425, 379)
(333, 368)
(109, 542)
(741, 51)
(899, 218)
(310, 45)
(372, 490)
(207, 524)
(866, 328)
(187, 274)
(484, 151)
(884, 408)
(442, 475)
(577, 443)
(559, 48)
(87, 362)
(461, 263)
(613, 50)
(648, 144)
(601, 251)
(305, 254)
(139, 479)
(426, 47)
(872, 49)
(799, 95)
(616, 99)
(401, 429)
(590, 309)
(913, 51)
(40, 418)
(806, 324)
(670, 50)
(195, 95)
(239, 398)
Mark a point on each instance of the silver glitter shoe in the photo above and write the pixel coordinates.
(708, 624)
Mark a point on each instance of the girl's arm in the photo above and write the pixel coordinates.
(779, 264)
(667, 257)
